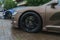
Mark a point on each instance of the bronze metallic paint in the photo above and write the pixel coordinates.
(45, 11)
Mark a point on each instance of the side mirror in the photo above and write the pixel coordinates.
(53, 5)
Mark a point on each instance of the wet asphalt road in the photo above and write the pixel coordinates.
(9, 33)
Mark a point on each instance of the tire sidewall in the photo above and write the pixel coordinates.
(34, 14)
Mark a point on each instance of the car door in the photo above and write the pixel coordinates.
(53, 14)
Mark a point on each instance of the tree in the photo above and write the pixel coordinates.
(36, 2)
(8, 4)
(1, 2)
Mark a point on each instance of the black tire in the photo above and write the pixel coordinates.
(34, 26)
(8, 15)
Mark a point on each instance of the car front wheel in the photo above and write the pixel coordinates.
(30, 22)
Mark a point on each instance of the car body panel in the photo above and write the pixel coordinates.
(41, 12)
(50, 16)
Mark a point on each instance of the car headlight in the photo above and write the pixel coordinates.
(14, 13)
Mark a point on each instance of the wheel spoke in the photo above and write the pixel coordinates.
(31, 22)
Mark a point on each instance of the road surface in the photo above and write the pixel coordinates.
(9, 33)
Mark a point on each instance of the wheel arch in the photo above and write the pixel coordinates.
(31, 11)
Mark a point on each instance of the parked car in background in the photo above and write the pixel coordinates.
(8, 13)
(45, 17)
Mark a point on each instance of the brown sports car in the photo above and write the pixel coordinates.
(45, 17)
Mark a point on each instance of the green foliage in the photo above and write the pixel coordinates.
(0, 3)
(36, 2)
(8, 4)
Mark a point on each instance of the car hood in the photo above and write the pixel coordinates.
(20, 8)
(15, 9)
